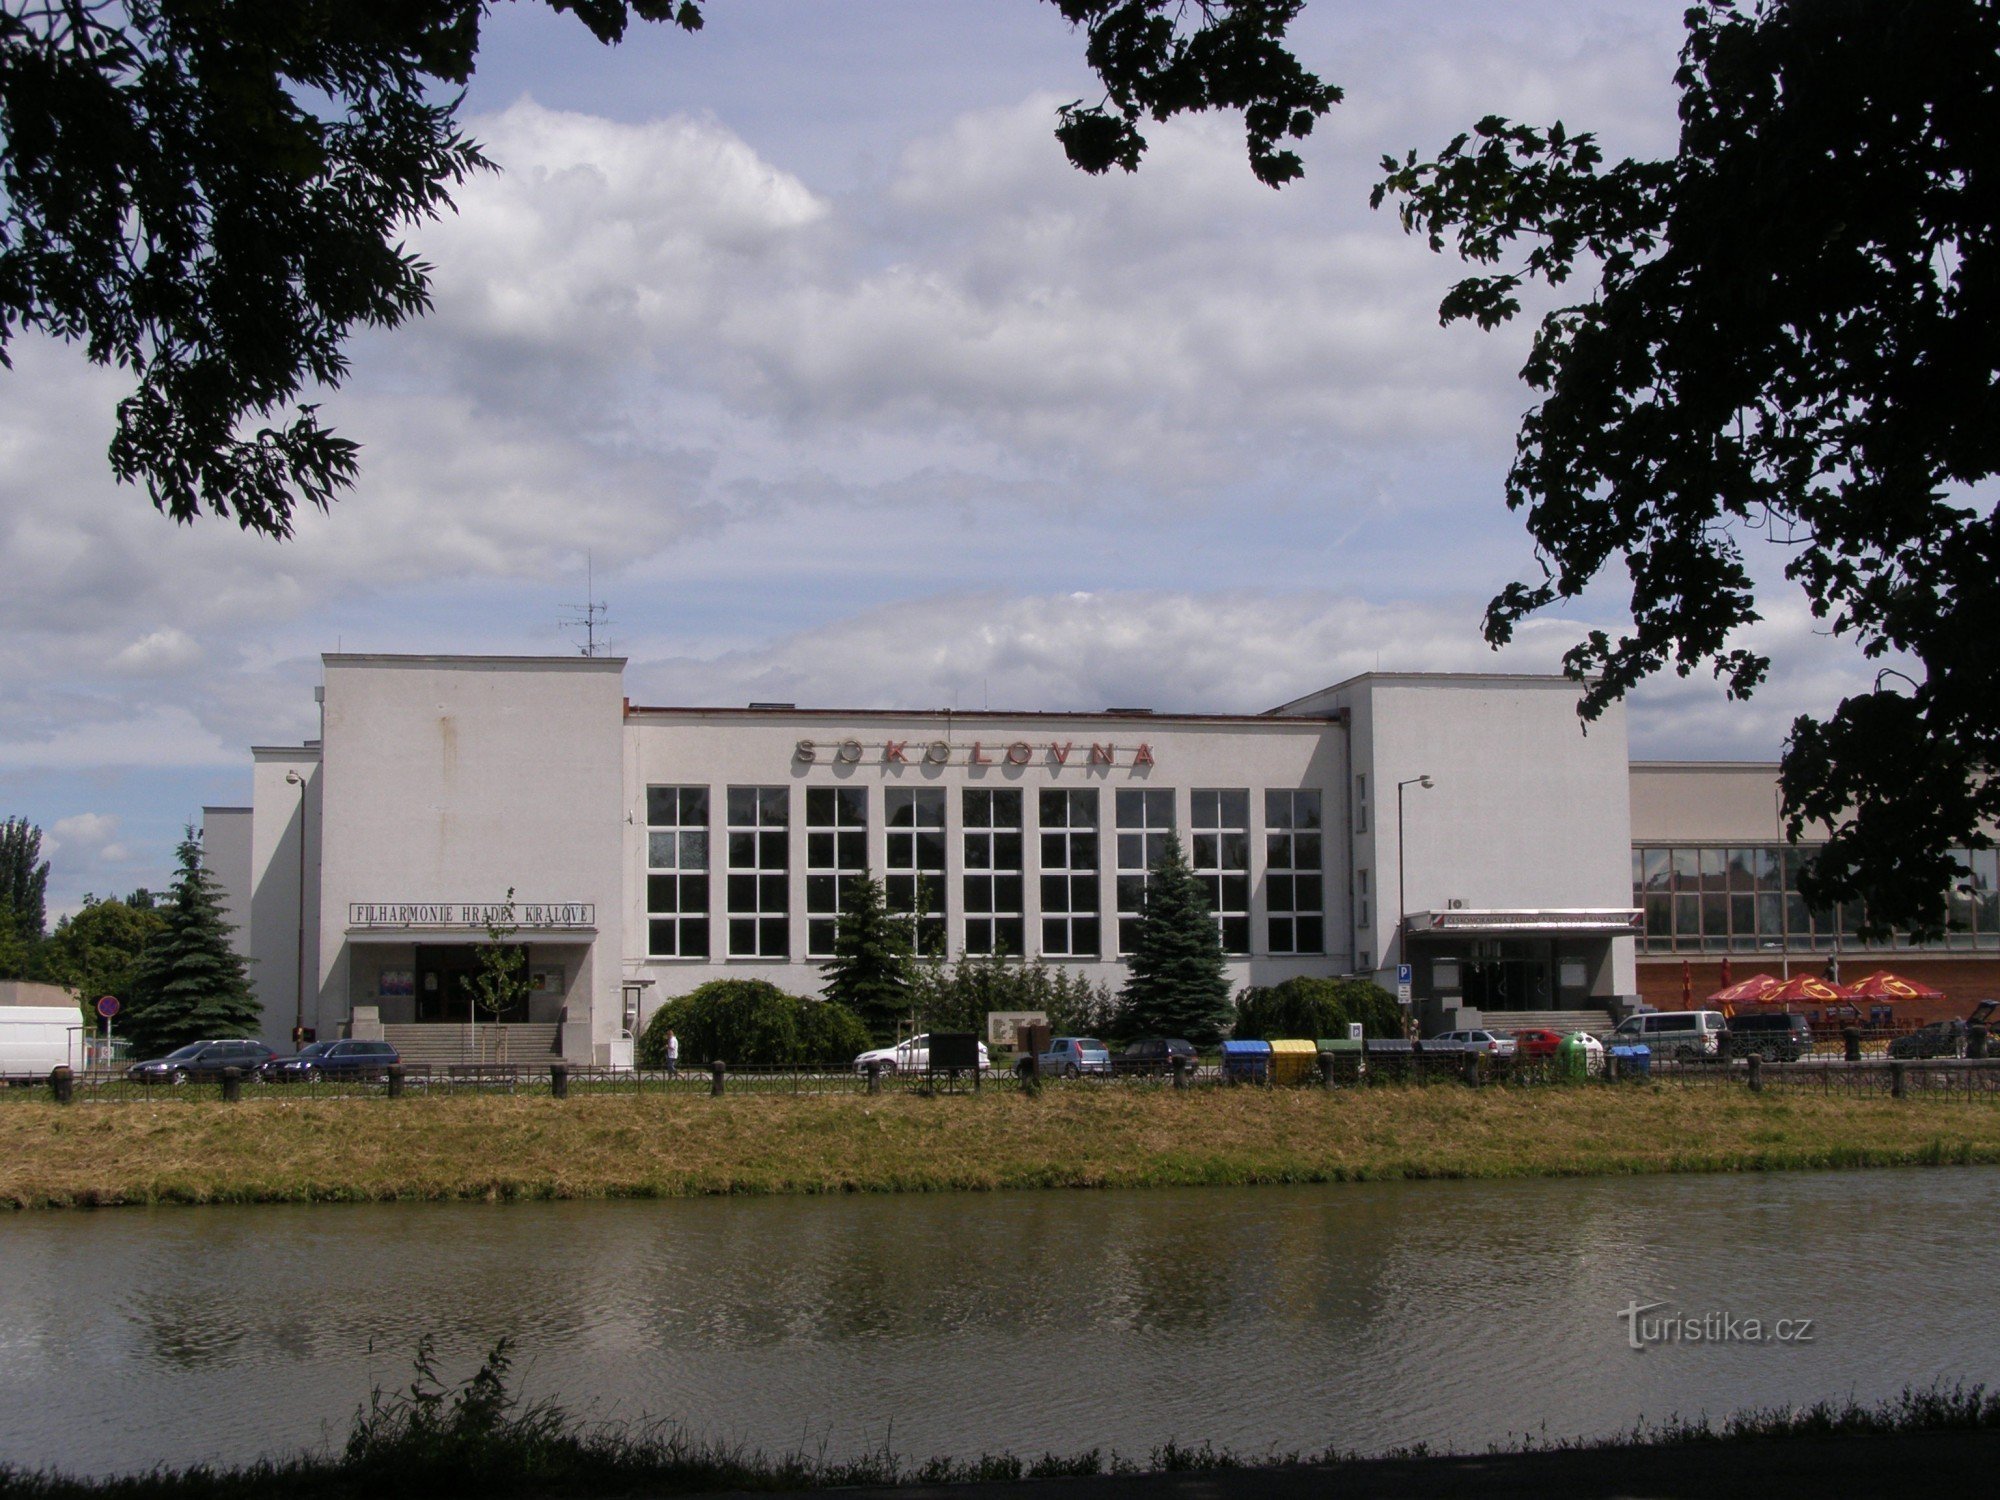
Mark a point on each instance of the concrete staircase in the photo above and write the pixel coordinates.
(441, 1045)
(1506, 1022)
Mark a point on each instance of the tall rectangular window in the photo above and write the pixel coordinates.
(1069, 873)
(992, 819)
(1145, 821)
(1360, 898)
(914, 817)
(677, 871)
(1361, 803)
(1294, 887)
(836, 856)
(759, 866)
(1219, 820)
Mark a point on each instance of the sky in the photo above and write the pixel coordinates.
(799, 344)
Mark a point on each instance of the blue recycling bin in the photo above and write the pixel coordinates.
(1246, 1062)
(1635, 1060)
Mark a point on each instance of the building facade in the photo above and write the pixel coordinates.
(636, 852)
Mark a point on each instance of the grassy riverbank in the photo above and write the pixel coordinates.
(271, 1149)
(478, 1437)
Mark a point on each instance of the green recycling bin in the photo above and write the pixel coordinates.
(1579, 1056)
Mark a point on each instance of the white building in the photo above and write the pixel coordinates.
(651, 849)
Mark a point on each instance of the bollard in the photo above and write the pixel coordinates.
(1610, 1066)
(1326, 1071)
(875, 1076)
(395, 1080)
(716, 1072)
(1851, 1037)
(1896, 1071)
(1470, 1068)
(1180, 1072)
(232, 1085)
(1756, 1073)
(62, 1083)
(1031, 1073)
(559, 1080)
(1975, 1041)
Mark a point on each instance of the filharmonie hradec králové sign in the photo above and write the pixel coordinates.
(478, 915)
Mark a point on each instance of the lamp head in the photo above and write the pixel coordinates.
(1425, 782)
(294, 778)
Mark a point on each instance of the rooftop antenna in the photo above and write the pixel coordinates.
(593, 614)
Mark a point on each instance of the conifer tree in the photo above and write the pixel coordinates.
(870, 970)
(24, 884)
(1178, 987)
(190, 984)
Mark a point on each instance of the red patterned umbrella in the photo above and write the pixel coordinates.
(1884, 988)
(1805, 989)
(1745, 991)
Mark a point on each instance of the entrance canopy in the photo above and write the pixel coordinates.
(1494, 921)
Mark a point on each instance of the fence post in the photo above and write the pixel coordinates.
(1852, 1038)
(716, 1072)
(62, 1083)
(1180, 1065)
(1896, 1071)
(1975, 1041)
(395, 1071)
(232, 1085)
(1326, 1071)
(875, 1076)
(1756, 1073)
(559, 1080)
(1470, 1068)
(1610, 1065)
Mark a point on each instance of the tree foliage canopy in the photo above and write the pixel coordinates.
(189, 984)
(1790, 341)
(24, 887)
(871, 968)
(97, 951)
(753, 1023)
(1309, 1008)
(211, 196)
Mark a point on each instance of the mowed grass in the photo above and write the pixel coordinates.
(273, 1150)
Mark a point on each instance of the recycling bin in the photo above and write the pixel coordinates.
(1246, 1062)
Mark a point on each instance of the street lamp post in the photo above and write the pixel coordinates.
(1402, 914)
(299, 1008)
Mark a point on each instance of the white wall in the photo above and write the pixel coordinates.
(285, 824)
(455, 778)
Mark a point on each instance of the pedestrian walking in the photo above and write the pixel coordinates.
(673, 1055)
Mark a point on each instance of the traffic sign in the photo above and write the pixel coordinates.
(107, 1006)
(1402, 984)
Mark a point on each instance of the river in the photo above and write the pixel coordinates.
(1265, 1319)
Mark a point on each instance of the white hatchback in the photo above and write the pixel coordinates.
(1489, 1042)
(911, 1056)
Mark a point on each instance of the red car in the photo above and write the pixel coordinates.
(1534, 1042)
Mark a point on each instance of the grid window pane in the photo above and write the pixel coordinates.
(992, 832)
(759, 872)
(1069, 872)
(1219, 823)
(836, 857)
(915, 883)
(677, 872)
(1293, 890)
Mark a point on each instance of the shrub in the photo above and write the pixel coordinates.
(959, 996)
(1310, 1007)
(754, 1023)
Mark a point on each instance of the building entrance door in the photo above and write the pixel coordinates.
(445, 984)
(1508, 974)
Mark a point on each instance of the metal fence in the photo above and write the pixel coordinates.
(1390, 1065)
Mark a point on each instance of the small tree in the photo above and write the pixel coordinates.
(871, 968)
(24, 885)
(1178, 986)
(1311, 1007)
(189, 983)
(501, 983)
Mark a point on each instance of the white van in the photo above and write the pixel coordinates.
(1674, 1033)
(36, 1038)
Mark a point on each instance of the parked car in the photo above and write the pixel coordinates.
(1476, 1040)
(203, 1062)
(1536, 1043)
(1777, 1036)
(343, 1059)
(1937, 1039)
(912, 1055)
(1674, 1033)
(1153, 1054)
(1069, 1056)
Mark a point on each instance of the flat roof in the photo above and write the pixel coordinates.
(574, 662)
(979, 715)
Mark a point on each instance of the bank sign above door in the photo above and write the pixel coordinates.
(480, 915)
